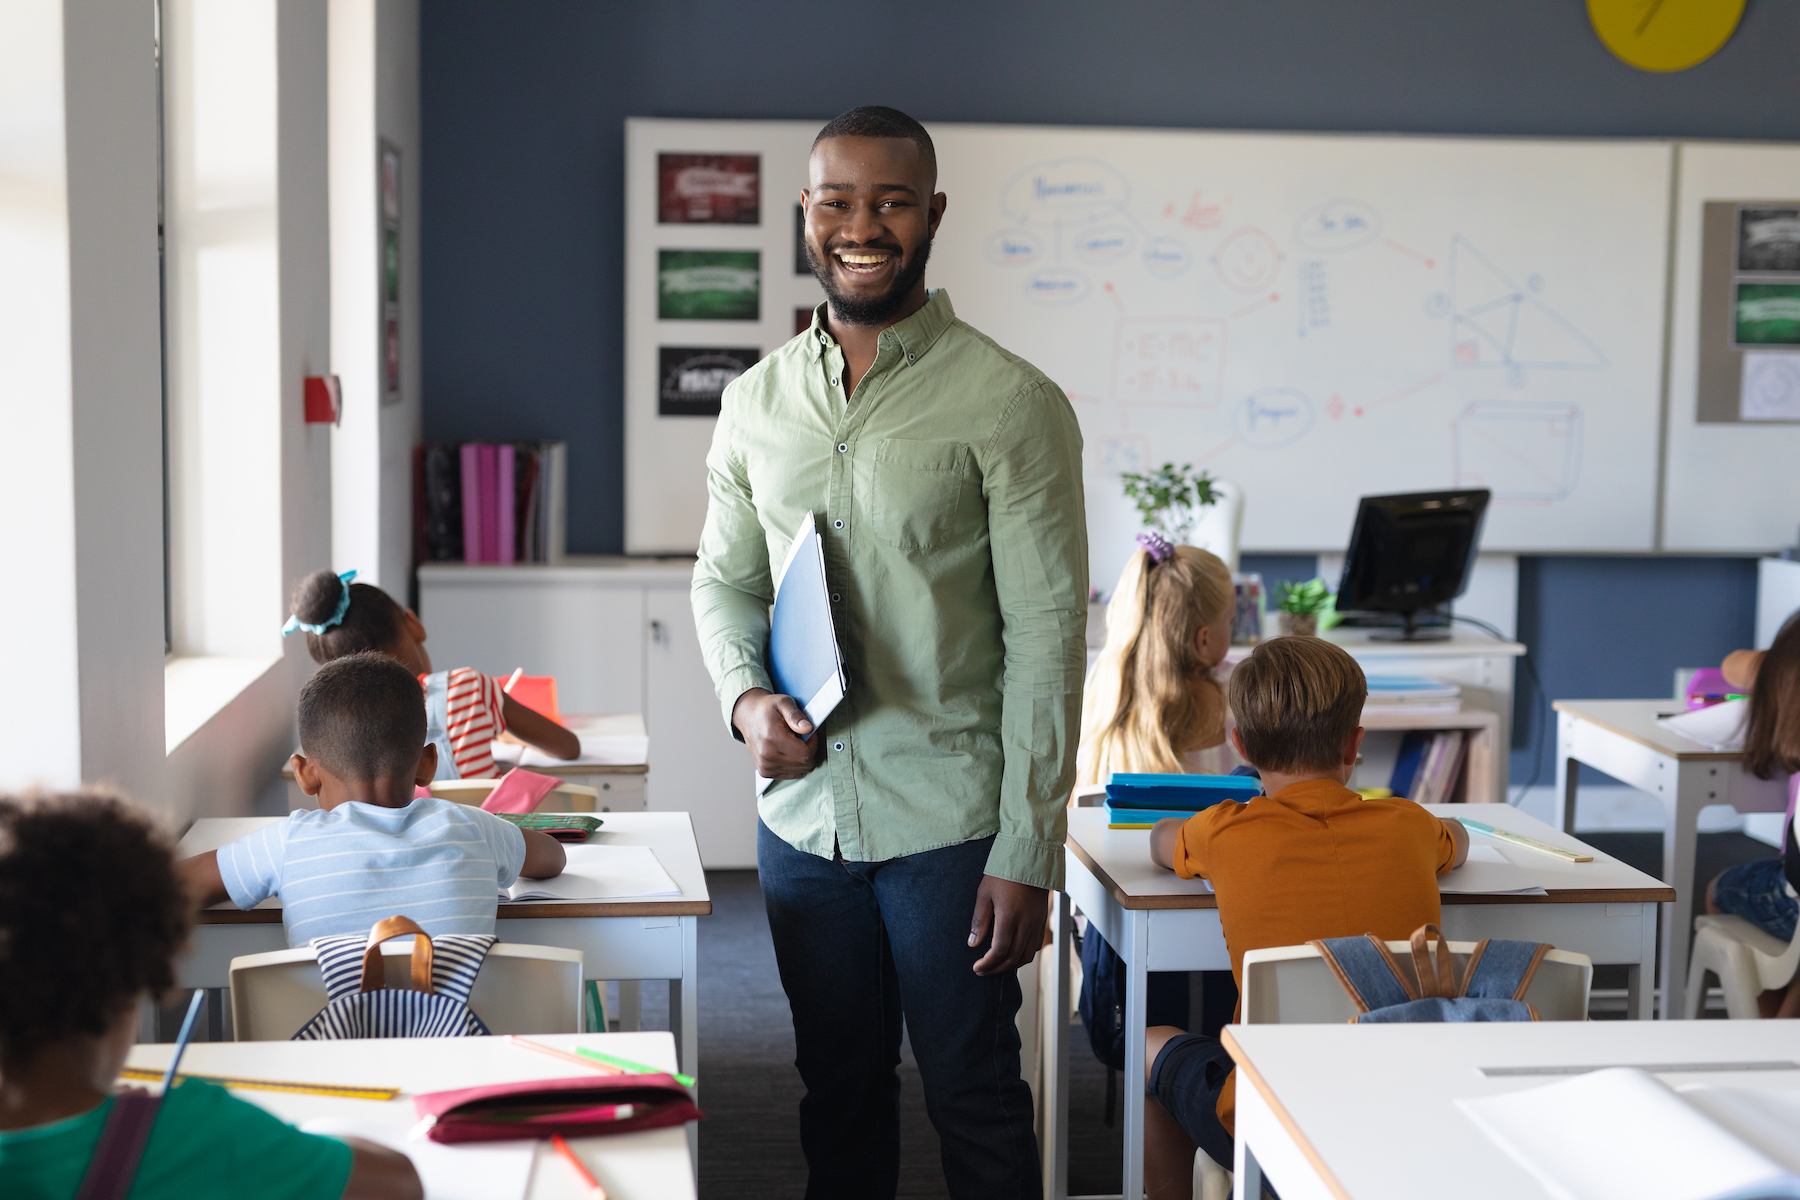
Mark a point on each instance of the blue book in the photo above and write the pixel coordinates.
(803, 650)
(1179, 792)
(1406, 767)
(1142, 818)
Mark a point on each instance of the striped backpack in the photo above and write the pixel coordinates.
(1493, 984)
(437, 1004)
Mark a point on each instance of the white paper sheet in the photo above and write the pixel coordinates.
(1622, 1134)
(470, 1171)
(600, 872)
(1717, 726)
(626, 750)
(1769, 389)
(1487, 872)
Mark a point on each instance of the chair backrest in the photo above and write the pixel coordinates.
(520, 989)
(1216, 527)
(564, 797)
(1292, 985)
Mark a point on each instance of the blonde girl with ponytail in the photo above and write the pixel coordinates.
(1151, 702)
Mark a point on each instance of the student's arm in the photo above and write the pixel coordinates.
(1740, 667)
(1459, 837)
(534, 728)
(1165, 835)
(544, 856)
(378, 1173)
(200, 875)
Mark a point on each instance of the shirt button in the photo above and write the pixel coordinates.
(837, 745)
(834, 383)
(836, 597)
(843, 447)
(837, 524)
(823, 340)
(909, 358)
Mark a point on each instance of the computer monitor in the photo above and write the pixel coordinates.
(1410, 552)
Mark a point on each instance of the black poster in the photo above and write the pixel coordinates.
(693, 378)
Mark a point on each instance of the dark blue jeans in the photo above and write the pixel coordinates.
(862, 946)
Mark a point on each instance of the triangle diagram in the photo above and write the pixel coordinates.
(1494, 322)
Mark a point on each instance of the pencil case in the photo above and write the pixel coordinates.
(585, 1106)
(564, 827)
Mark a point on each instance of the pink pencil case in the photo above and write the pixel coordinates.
(585, 1106)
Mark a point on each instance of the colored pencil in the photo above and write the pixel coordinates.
(553, 1052)
(574, 1160)
(181, 1040)
(634, 1068)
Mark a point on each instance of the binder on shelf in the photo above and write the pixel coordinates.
(804, 661)
(490, 503)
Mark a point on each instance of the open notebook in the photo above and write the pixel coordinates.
(600, 873)
(1488, 872)
(1623, 1134)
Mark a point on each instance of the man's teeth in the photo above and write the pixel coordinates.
(863, 262)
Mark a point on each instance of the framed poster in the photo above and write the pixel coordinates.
(709, 285)
(709, 189)
(693, 378)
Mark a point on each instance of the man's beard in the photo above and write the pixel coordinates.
(878, 310)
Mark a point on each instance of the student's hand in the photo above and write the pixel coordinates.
(200, 875)
(1017, 914)
(777, 730)
(545, 857)
(534, 728)
(378, 1173)
(1164, 836)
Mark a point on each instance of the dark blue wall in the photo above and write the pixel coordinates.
(523, 223)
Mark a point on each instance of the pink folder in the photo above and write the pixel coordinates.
(519, 792)
(489, 459)
(471, 502)
(506, 502)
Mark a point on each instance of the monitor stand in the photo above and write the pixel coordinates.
(1411, 631)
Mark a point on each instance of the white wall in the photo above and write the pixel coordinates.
(374, 54)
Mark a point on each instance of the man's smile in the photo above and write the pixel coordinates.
(864, 264)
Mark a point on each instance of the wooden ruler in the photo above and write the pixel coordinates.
(345, 1090)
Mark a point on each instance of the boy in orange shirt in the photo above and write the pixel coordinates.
(1309, 859)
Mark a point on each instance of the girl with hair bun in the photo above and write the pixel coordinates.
(1152, 703)
(464, 709)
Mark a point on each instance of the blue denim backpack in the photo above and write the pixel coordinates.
(1493, 984)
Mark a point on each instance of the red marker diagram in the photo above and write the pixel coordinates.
(1247, 260)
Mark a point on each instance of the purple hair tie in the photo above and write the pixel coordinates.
(1155, 545)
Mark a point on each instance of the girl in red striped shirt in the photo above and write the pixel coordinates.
(464, 709)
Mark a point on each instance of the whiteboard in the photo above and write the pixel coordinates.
(1729, 487)
(1312, 317)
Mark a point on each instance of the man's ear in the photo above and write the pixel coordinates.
(426, 771)
(939, 202)
(306, 774)
(1353, 747)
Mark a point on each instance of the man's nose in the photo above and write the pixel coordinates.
(865, 225)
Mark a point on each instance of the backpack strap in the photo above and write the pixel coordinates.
(1501, 969)
(1366, 970)
(1441, 980)
(114, 1166)
(374, 973)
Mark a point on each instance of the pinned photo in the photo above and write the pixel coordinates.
(694, 378)
(1766, 314)
(1768, 239)
(709, 189)
(709, 285)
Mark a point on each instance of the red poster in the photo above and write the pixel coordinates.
(709, 189)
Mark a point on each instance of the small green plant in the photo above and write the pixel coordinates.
(1167, 497)
(1309, 599)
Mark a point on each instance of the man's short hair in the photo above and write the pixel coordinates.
(363, 718)
(879, 121)
(1297, 700)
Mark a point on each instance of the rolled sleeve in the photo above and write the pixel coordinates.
(251, 866)
(1037, 528)
(733, 585)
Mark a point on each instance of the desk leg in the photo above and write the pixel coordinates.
(1568, 772)
(1137, 957)
(684, 1020)
(1053, 1072)
(1247, 1178)
(631, 1006)
(1693, 790)
(1640, 977)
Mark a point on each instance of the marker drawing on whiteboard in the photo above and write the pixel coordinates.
(1168, 361)
(1273, 418)
(1267, 300)
(1247, 261)
(1495, 323)
(1338, 225)
(1391, 244)
(1524, 452)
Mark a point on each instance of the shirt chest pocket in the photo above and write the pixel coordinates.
(923, 493)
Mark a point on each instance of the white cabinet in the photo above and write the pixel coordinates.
(619, 636)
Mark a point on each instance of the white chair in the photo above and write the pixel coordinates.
(1216, 527)
(1747, 961)
(520, 989)
(1292, 985)
(564, 797)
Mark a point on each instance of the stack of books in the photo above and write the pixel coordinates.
(1136, 801)
(1429, 763)
(490, 503)
(1411, 695)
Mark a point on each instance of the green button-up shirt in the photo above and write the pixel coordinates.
(948, 493)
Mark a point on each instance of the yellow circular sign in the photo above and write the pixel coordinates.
(1665, 35)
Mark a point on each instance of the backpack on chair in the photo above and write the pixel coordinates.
(1493, 984)
(437, 1004)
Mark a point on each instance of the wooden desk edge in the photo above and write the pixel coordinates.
(1700, 755)
(1242, 1059)
(525, 910)
(1199, 900)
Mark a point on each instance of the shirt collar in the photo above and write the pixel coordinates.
(916, 334)
(1315, 795)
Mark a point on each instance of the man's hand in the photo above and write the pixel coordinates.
(777, 730)
(1017, 913)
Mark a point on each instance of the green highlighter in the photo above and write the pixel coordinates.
(636, 1068)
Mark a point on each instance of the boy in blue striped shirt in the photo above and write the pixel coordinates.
(371, 850)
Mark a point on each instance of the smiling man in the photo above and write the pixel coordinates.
(908, 845)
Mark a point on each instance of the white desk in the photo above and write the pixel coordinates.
(624, 940)
(651, 1165)
(1380, 1122)
(1157, 921)
(1622, 738)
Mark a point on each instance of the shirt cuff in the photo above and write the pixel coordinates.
(1185, 867)
(1035, 864)
(234, 882)
(732, 686)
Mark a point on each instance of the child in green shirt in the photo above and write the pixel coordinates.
(92, 916)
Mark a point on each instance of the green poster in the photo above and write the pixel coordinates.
(708, 285)
(1767, 314)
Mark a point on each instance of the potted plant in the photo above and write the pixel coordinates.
(1167, 497)
(1302, 606)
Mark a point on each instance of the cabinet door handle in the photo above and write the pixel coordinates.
(656, 632)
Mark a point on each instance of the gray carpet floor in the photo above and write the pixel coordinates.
(749, 1143)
